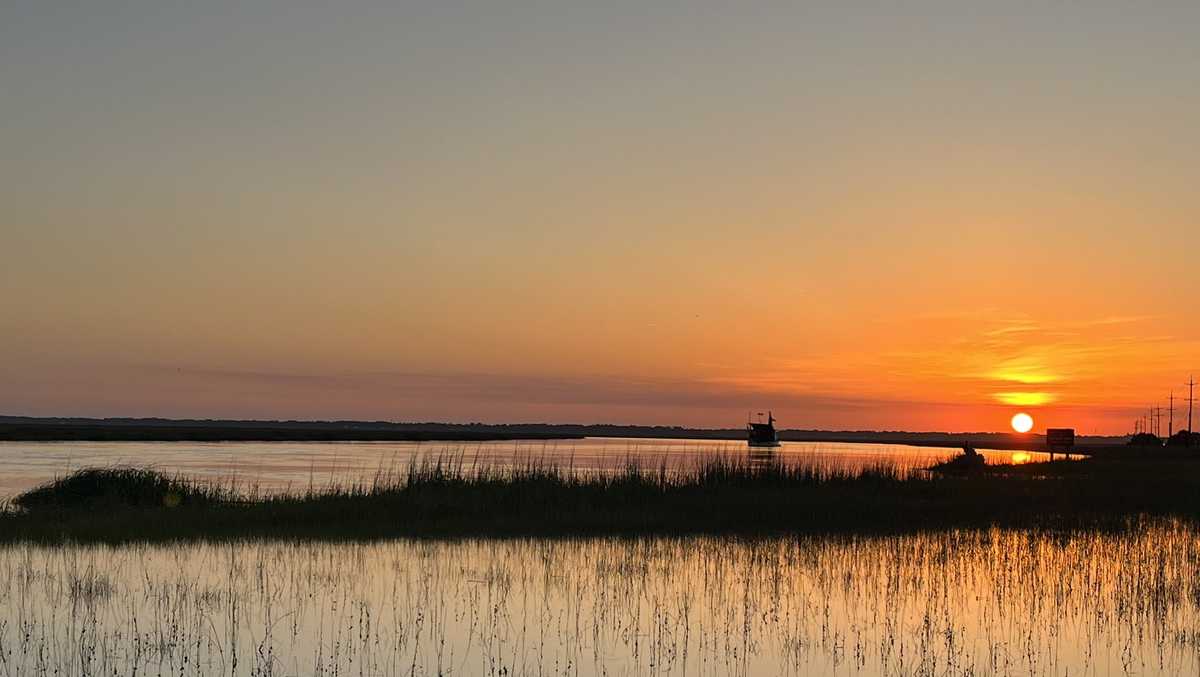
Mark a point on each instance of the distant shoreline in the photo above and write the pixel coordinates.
(164, 433)
(30, 429)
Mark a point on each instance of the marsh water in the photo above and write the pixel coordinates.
(981, 602)
(947, 603)
(296, 466)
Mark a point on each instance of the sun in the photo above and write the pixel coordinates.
(1022, 422)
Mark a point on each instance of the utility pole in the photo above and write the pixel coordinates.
(1191, 384)
(1171, 414)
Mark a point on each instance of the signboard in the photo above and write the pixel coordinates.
(1060, 439)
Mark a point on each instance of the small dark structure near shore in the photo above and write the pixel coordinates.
(762, 434)
(968, 461)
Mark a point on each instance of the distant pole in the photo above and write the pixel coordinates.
(1171, 414)
(1191, 384)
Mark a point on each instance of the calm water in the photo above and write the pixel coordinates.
(992, 602)
(960, 603)
(280, 466)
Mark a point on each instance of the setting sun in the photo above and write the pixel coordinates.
(1022, 422)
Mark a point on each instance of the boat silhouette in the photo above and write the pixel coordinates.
(762, 434)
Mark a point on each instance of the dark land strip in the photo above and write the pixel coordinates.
(15, 428)
(213, 433)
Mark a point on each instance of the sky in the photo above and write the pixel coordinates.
(917, 215)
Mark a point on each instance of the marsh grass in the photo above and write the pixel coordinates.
(459, 496)
(118, 487)
(954, 602)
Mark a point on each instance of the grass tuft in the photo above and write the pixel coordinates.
(115, 488)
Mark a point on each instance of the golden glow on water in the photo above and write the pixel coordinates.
(1020, 457)
(933, 603)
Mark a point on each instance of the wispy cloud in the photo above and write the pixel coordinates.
(1025, 399)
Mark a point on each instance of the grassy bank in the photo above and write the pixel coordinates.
(442, 498)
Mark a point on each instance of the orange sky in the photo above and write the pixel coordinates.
(917, 218)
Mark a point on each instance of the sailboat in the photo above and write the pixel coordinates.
(762, 434)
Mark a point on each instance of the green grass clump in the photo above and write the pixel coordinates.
(116, 488)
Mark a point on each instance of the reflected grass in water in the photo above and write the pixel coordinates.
(990, 602)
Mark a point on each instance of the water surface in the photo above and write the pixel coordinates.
(952, 603)
(283, 466)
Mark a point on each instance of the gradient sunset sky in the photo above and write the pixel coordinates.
(893, 215)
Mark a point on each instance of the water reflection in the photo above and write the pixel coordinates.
(995, 602)
(762, 456)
